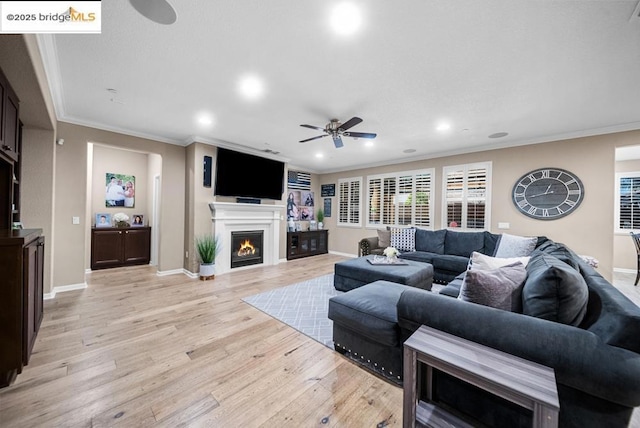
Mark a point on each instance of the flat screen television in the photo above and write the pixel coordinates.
(243, 175)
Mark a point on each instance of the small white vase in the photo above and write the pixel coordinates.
(320, 225)
(207, 271)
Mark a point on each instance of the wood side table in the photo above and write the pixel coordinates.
(522, 382)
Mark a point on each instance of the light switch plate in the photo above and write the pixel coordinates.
(75, 220)
(503, 225)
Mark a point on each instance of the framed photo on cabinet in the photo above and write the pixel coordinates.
(103, 220)
(138, 220)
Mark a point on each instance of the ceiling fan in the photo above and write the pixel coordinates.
(337, 130)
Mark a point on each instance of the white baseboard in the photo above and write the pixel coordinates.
(623, 270)
(190, 274)
(63, 288)
(87, 271)
(176, 272)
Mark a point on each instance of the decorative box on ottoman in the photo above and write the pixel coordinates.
(357, 272)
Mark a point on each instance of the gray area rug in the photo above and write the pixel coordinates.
(303, 306)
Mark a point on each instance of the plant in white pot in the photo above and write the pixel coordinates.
(320, 217)
(207, 248)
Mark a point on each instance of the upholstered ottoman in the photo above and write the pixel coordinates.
(354, 273)
(365, 327)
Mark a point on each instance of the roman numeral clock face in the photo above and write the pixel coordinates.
(548, 193)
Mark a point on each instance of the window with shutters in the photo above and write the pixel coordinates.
(402, 198)
(466, 196)
(627, 212)
(349, 205)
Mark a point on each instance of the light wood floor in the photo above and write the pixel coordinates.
(137, 350)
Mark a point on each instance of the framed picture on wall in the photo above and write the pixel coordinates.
(103, 220)
(137, 220)
(120, 190)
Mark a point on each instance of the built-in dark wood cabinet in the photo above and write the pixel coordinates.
(21, 298)
(305, 244)
(117, 247)
(9, 120)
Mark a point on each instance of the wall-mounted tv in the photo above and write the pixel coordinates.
(243, 175)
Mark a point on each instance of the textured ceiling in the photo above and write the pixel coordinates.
(539, 70)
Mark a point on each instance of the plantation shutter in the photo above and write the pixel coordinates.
(349, 201)
(628, 201)
(400, 199)
(466, 196)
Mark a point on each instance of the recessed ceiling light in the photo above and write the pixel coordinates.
(204, 119)
(409, 151)
(346, 19)
(369, 143)
(251, 87)
(443, 127)
(499, 135)
(319, 155)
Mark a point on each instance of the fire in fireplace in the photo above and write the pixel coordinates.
(246, 248)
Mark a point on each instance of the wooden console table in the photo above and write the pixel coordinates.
(522, 382)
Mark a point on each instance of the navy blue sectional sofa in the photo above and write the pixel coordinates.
(596, 361)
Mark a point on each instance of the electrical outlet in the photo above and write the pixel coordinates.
(186, 254)
(75, 220)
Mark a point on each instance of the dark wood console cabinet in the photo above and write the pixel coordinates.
(21, 298)
(117, 247)
(305, 244)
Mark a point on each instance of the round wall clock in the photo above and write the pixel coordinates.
(547, 193)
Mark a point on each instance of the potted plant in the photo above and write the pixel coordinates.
(320, 217)
(207, 248)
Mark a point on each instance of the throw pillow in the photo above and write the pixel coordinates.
(554, 291)
(431, 241)
(403, 238)
(499, 288)
(483, 262)
(384, 238)
(515, 246)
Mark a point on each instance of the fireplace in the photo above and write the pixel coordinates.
(246, 248)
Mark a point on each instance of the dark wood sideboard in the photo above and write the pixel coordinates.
(21, 298)
(117, 247)
(308, 243)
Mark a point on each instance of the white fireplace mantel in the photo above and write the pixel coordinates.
(230, 217)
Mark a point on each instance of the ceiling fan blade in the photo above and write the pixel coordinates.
(351, 122)
(313, 138)
(313, 127)
(360, 134)
(337, 141)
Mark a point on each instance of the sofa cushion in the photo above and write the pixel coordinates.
(463, 243)
(419, 256)
(431, 241)
(559, 251)
(499, 287)
(384, 238)
(369, 310)
(403, 238)
(515, 246)
(490, 243)
(450, 263)
(554, 291)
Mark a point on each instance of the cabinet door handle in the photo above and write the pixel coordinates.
(127, 232)
(7, 148)
(120, 233)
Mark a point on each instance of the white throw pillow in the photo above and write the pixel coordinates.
(515, 246)
(484, 262)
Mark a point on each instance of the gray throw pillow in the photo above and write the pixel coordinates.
(515, 246)
(499, 288)
(384, 238)
(554, 291)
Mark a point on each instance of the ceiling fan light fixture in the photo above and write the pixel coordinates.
(158, 11)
